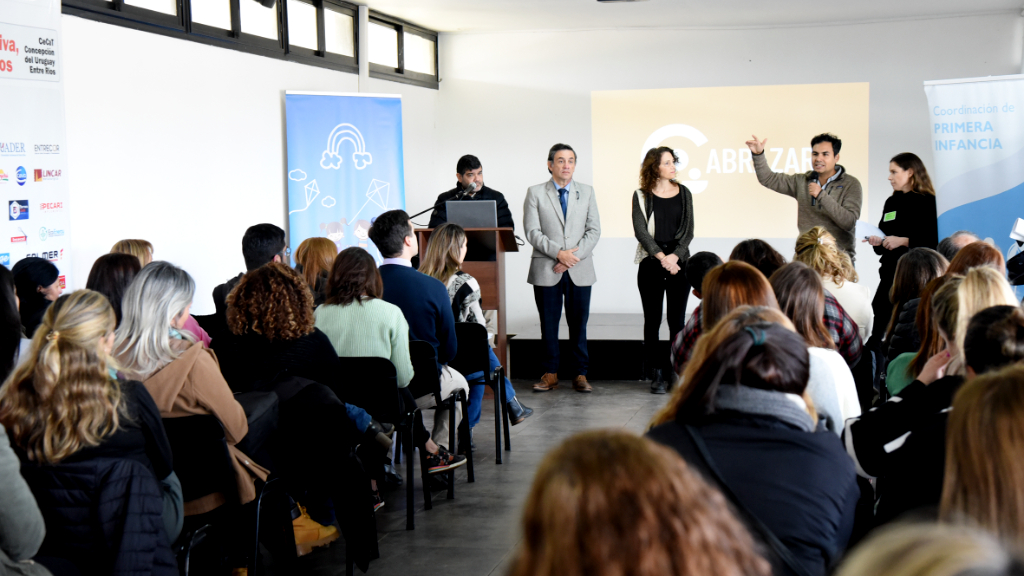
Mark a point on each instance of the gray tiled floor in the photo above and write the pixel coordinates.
(477, 533)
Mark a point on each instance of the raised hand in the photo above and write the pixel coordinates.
(756, 146)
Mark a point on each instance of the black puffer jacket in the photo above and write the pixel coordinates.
(904, 336)
(103, 515)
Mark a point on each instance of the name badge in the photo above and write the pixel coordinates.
(889, 216)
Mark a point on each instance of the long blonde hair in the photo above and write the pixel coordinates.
(960, 298)
(817, 248)
(61, 398)
(984, 471)
(443, 250)
(316, 255)
(141, 249)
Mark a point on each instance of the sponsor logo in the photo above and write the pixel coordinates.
(51, 255)
(46, 148)
(41, 175)
(22, 238)
(63, 283)
(5, 259)
(4, 176)
(45, 233)
(18, 209)
(12, 148)
(50, 207)
(21, 175)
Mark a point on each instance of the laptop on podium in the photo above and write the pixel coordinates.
(473, 213)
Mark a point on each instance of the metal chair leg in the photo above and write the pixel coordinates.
(504, 408)
(470, 475)
(497, 425)
(410, 480)
(452, 442)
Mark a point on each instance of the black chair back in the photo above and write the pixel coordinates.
(427, 379)
(372, 384)
(473, 348)
(201, 458)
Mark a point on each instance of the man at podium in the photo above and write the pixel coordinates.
(470, 175)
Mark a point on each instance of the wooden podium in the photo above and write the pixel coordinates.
(485, 242)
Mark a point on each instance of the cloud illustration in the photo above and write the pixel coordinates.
(297, 175)
(328, 201)
(330, 160)
(362, 159)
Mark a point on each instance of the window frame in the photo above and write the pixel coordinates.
(400, 74)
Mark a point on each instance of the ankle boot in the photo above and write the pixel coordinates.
(517, 412)
(658, 384)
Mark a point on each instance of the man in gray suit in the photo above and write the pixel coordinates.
(561, 221)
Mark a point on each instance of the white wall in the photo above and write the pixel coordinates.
(183, 144)
(508, 97)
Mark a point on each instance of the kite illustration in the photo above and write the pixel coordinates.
(312, 191)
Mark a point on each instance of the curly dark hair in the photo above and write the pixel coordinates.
(273, 301)
(354, 274)
(649, 173)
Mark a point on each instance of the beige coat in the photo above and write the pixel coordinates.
(193, 385)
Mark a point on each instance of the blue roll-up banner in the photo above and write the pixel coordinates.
(345, 165)
(977, 127)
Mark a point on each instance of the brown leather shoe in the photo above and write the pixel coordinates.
(580, 384)
(547, 382)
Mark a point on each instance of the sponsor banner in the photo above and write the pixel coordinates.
(33, 144)
(977, 129)
(345, 165)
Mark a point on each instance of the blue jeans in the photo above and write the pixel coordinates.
(358, 416)
(476, 393)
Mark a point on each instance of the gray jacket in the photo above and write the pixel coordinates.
(548, 231)
(643, 227)
(837, 207)
(21, 523)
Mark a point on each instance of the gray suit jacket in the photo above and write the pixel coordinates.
(548, 231)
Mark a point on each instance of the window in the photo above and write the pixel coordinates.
(402, 52)
(318, 32)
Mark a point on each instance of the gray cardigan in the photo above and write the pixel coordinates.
(643, 227)
(21, 523)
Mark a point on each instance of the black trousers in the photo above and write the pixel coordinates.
(881, 305)
(656, 286)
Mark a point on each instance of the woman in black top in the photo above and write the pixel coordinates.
(663, 224)
(908, 221)
(38, 284)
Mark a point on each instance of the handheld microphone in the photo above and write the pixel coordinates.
(812, 177)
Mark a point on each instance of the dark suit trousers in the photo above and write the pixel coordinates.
(656, 285)
(577, 312)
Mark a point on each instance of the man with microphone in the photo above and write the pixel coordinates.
(826, 196)
(470, 175)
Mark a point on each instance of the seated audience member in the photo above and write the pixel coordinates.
(273, 345)
(14, 347)
(313, 259)
(446, 251)
(357, 322)
(182, 376)
(21, 523)
(261, 244)
(802, 299)
(902, 443)
(914, 271)
(903, 371)
(143, 250)
(38, 284)
(952, 244)
(425, 304)
(931, 550)
(845, 332)
(974, 255)
(985, 438)
(576, 523)
(110, 275)
(741, 416)
(818, 249)
(65, 404)
(697, 266)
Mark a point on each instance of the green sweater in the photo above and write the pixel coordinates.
(371, 328)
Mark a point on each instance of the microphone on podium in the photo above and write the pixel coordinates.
(473, 187)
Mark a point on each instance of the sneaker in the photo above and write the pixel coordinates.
(378, 502)
(310, 534)
(443, 460)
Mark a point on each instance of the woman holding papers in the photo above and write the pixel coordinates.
(908, 221)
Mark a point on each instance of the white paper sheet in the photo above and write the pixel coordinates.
(864, 230)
